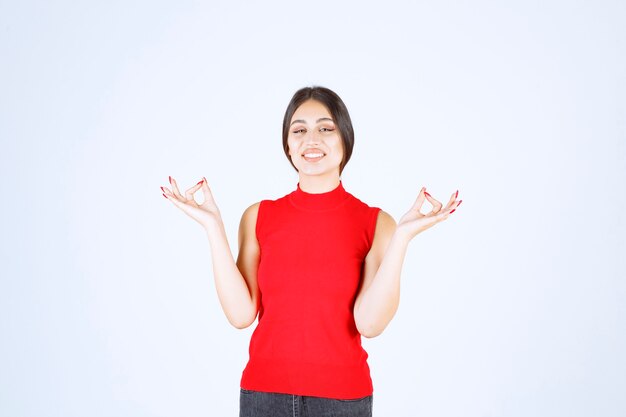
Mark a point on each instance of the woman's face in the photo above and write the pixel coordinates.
(314, 141)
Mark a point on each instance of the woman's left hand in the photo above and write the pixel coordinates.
(414, 222)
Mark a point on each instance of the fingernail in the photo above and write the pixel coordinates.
(170, 179)
(460, 201)
(452, 211)
(457, 194)
(200, 182)
(164, 196)
(427, 194)
(162, 189)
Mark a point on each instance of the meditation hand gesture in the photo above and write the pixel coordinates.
(207, 213)
(414, 222)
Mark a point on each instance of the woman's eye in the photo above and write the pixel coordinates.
(327, 129)
(298, 131)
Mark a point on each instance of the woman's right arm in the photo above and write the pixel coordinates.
(236, 282)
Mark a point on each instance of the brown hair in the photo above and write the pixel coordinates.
(338, 111)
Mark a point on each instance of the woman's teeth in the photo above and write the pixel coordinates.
(313, 156)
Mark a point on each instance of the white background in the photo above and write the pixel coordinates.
(514, 306)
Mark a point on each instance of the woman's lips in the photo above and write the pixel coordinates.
(313, 155)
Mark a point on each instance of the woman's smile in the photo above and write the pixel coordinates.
(313, 155)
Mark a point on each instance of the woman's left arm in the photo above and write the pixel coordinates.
(379, 295)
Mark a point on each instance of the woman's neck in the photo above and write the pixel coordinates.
(317, 184)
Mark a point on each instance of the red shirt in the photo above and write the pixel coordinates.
(312, 252)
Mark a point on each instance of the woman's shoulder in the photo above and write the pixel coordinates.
(374, 212)
(252, 209)
(357, 202)
(385, 220)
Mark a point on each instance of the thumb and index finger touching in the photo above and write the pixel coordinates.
(437, 205)
(423, 196)
(202, 184)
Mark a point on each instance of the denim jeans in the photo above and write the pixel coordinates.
(270, 404)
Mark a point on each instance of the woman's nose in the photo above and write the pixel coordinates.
(312, 137)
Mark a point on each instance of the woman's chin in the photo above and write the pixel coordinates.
(313, 171)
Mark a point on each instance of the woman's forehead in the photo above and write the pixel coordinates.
(311, 110)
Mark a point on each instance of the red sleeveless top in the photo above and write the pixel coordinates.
(312, 252)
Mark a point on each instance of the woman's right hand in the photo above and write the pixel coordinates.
(207, 213)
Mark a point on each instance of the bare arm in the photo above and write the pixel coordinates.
(236, 283)
(379, 295)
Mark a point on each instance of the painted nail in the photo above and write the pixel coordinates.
(164, 196)
(452, 211)
(170, 179)
(457, 194)
(460, 201)
(427, 194)
(200, 182)
(162, 189)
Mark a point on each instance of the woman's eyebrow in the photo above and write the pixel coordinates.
(318, 120)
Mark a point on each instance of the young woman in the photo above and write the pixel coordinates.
(320, 267)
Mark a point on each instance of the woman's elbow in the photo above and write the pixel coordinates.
(242, 322)
(369, 331)
(371, 335)
(374, 326)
